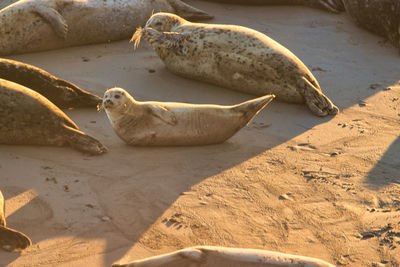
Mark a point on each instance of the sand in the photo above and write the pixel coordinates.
(289, 182)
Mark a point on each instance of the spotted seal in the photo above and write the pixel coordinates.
(208, 256)
(10, 239)
(234, 57)
(38, 25)
(28, 118)
(176, 124)
(62, 93)
(334, 6)
(381, 17)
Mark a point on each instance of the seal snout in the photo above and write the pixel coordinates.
(107, 103)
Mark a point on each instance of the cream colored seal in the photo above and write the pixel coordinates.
(173, 124)
(234, 57)
(207, 256)
(38, 25)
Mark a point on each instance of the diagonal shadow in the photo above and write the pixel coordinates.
(387, 170)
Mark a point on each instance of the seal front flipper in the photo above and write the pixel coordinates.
(83, 142)
(54, 18)
(188, 12)
(163, 114)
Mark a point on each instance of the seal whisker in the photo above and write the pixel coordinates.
(136, 37)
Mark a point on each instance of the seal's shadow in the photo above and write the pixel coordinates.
(386, 171)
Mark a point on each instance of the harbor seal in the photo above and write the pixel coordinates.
(28, 118)
(334, 6)
(381, 17)
(234, 57)
(176, 124)
(10, 239)
(38, 25)
(62, 93)
(208, 256)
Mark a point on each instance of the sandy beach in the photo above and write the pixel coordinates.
(290, 181)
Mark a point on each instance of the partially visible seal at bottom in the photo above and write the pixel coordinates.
(208, 256)
(10, 239)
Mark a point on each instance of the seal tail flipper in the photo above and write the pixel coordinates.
(317, 102)
(55, 19)
(188, 12)
(83, 142)
(12, 240)
(334, 6)
(251, 108)
(85, 98)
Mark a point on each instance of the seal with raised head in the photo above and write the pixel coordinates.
(209, 256)
(234, 57)
(38, 25)
(381, 17)
(62, 93)
(334, 6)
(28, 118)
(10, 239)
(176, 124)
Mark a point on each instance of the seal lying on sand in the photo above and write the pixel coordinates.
(62, 93)
(38, 25)
(10, 239)
(28, 118)
(207, 256)
(329, 5)
(381, 17)
(234, 57)
(173, 124)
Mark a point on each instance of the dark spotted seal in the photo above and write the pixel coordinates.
(381, 17)
(234, 57)
(62, 93)
(38, 25)
(28, 118)
(10, 239)
(176, 124)
(208, 256)
(328, 5)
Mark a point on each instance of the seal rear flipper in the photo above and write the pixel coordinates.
(317, 102)
(163, 114)
(54, 18)
(83, 142)
(83, 98)
(12, 240)
(188, 12)
(334, 6)
(251, 108)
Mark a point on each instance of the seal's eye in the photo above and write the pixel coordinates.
(117, 96)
